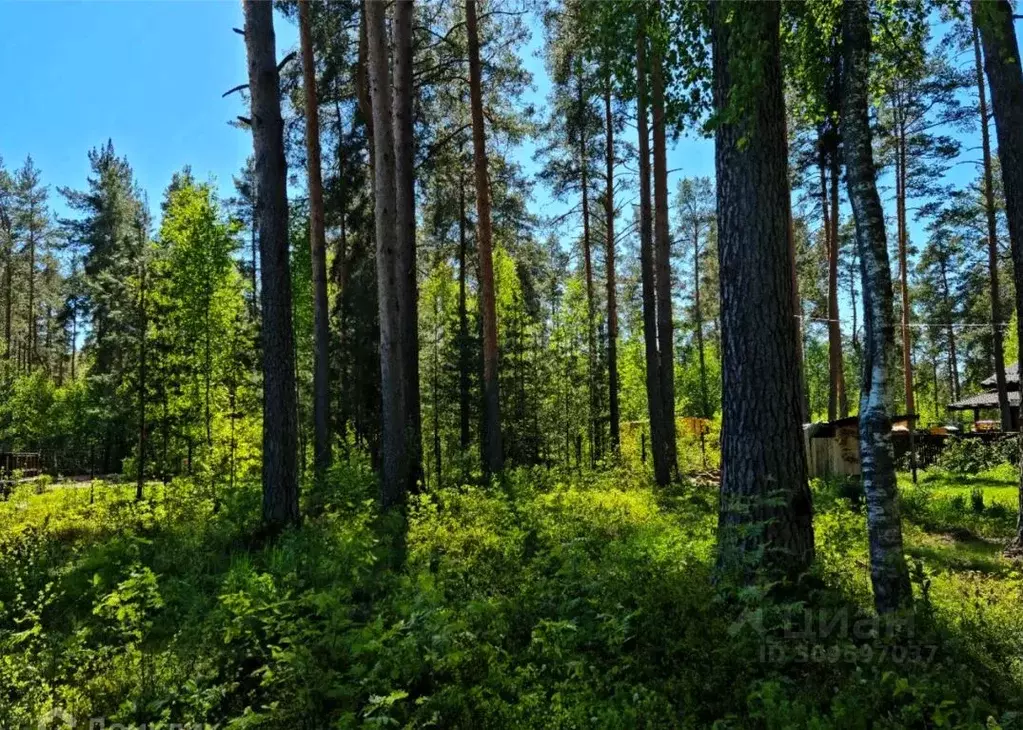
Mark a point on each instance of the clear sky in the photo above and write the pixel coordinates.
(148, 75)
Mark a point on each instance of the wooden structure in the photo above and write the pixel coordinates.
(28, 463)
(988, 401)
(833, 448)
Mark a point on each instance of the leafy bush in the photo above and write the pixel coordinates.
(548, 601)
(977, 500)
(971, 455)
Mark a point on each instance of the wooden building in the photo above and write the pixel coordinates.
(986, 403)
(833, 448)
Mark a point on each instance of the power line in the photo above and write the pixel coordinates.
(922, 325)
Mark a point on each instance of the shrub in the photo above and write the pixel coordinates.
(977, 500)
(547, 600)
(42, 483)
(971, 455)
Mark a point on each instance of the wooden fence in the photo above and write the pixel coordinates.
(28, 463)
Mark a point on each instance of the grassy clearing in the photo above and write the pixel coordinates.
(551, 601)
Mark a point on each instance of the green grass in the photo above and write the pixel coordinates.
(549, 601)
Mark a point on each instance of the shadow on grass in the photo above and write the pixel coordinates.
(958, 550)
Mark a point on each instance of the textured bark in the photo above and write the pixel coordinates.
(766, 515)
(30, 313)
(837, 404)
(280, 475)
(836, 324)
(362, 84)
(698, 328)
(901, 236)
(464, 356)
(318, 250)
(698, 321)
(143, 326)
(493, 458)
(591, 308)
(953, 358)
(655, 403)
(341, 272)
(998, 336)
(74, 340)
(612, 289)
(662, 262)
(254, 252)
(437, 456)
(1005, 80)
(8, 304)
(405, 184)
(888, 571)
(393, 412)
(5, 221)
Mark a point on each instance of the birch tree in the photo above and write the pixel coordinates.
(888, 571)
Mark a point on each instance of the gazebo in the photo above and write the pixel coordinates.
(988, 401)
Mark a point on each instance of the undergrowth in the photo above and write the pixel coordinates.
(546, 601)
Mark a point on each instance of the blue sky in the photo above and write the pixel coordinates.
(148, 75)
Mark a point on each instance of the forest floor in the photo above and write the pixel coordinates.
(549, 601)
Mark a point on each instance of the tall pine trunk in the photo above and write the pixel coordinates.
(888, 571)
(405, 220)
(655, 402)
(591, 310)
(318, 253)
(998, 337)
(1005, 79)
(5, 220)
(280, 469)
(662, 259)
(837, 404)
(393, 412)
(612, 288)
(836, 324)
(493, 457)
(74, 339)
(953, 358)
(464, 356)
(700, 347)
(143, 326)
(30, 314)
(766, 516)
(903, 235)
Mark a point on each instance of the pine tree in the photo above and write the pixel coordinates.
(764, 473)
(280, 473)
(32, 226)
(493, 454)
(105, 234)
(318, 248)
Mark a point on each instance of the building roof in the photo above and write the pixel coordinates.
(984, 401)
(827, 429)
(1011, 377)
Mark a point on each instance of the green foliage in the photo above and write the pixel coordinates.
(198, 339)
(972, 455)
(978, 506)
(550, 602)
(38, 415)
